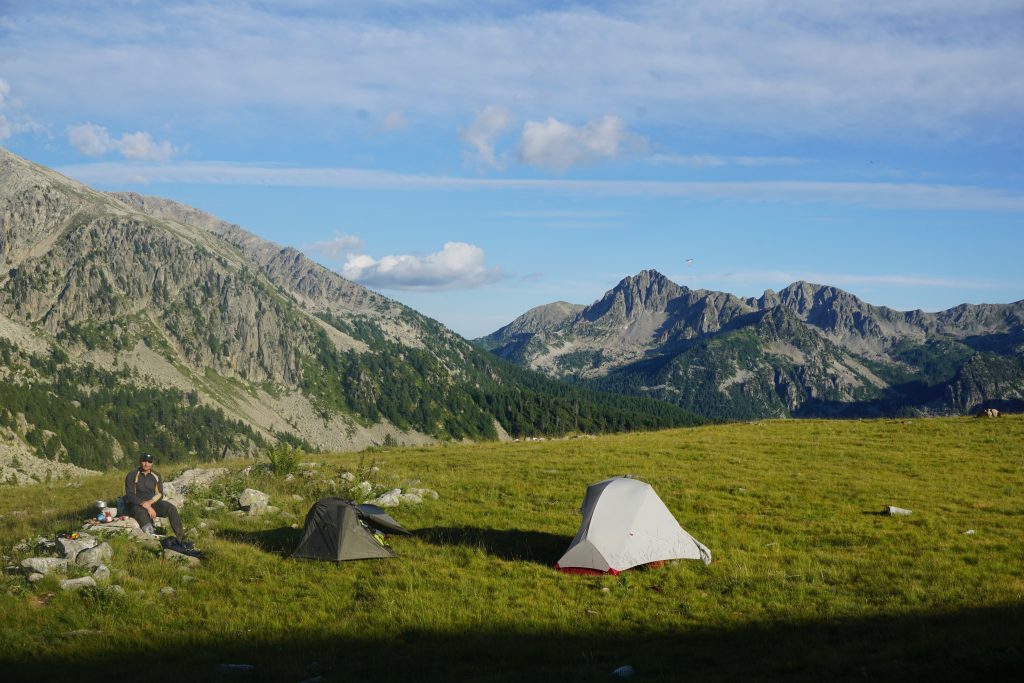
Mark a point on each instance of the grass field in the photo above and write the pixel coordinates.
(809, 582)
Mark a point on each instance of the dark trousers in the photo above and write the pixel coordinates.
(163, 509)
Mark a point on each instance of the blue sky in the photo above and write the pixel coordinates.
(476, 159)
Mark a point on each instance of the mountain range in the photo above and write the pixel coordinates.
(132, 323)
(809, 351)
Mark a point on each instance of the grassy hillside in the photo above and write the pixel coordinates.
(808, 583)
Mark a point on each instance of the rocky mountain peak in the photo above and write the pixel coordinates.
(646, 292)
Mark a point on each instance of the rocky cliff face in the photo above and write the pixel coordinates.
(187, 301)
(806, 350)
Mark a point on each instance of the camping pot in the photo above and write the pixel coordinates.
(100, 504)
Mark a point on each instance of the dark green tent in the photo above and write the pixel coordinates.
(337, 529)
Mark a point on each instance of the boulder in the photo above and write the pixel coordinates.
(410, 498)
(388, 500)
(70, 547)
(119, 523)
(173, 496)
(175, 556)
(44, 565)
(893, 511)
(423, 493)
(251, 497)
(257, 508)
(101, 573)
(988, 412)
(95, 556)
(77, 584)
(193, 479)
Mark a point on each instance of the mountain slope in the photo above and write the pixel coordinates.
(245, 343)
(806, 350)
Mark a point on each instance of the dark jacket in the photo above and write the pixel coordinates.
(140, 487)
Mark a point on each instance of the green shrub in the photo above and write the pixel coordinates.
(284, 459)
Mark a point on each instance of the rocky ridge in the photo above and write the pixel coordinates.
(808, 349)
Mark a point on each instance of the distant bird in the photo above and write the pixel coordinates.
(689, 261)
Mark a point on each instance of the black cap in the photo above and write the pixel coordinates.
(145, 457)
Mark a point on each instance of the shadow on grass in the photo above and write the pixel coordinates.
(513, 544)
(975, 644)
(280, 541)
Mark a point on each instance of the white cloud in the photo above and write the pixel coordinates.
(90, 140)
(802, 67)
(6, 129)
(555, 145)
(482, 135)
(93, 140)
(713, 160)
(337, 247)
(141, 147)
(877, 195)
(457, 266)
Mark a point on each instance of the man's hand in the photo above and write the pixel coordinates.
(149, 508)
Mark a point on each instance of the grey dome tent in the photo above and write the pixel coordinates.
(337, 529)
(625, 524)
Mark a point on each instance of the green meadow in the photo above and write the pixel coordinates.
(809, 581)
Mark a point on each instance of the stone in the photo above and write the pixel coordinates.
(95, 556)
(101, 573)
(44, 544)
(388, 500)
(172, 496)
(168, 591)
(364, 488)
(624, 671)
(256, 508)
(988, 412)
(193, 479)
(250, 497)
(410, 498)
(36, 577)
(173, 556)
(213, 504)
(146, 540)
(423, 493)
(893, 511)
(119, 523)
(117, 589)
(45, 565)
(78, 584)
(70, 547)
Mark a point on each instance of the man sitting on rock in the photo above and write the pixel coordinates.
(144, 495)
